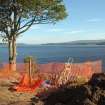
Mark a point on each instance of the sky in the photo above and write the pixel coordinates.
(85, 21)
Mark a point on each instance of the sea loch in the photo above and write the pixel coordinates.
(57, 53)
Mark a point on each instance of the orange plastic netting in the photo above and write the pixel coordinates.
(27, 85)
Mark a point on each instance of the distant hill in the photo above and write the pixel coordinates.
(80, 42)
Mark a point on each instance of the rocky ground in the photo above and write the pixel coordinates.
(91, 93)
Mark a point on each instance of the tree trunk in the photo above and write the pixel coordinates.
(10, 51)
(12, 54)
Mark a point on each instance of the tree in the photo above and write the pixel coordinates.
(20, 15)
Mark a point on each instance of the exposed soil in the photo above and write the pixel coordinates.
(8, 97)
(91, 93)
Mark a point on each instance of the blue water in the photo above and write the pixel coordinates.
(45, 54)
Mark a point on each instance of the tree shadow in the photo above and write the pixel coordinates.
(91, 93)
(63, 96)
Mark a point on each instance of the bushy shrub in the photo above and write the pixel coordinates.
(28, 58)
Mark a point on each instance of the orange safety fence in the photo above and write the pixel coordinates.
(55, 67)
(85, 70)
(25, 85)
(50, 71)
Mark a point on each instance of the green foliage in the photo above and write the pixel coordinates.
(28, 58)
(22, 14)
(49, 9)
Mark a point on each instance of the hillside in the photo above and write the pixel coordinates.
(80, 42)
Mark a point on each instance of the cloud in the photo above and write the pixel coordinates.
(35, 27)
(75, 32)
(54, 30)
(94, 20)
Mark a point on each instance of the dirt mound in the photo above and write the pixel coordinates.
(91, 93)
